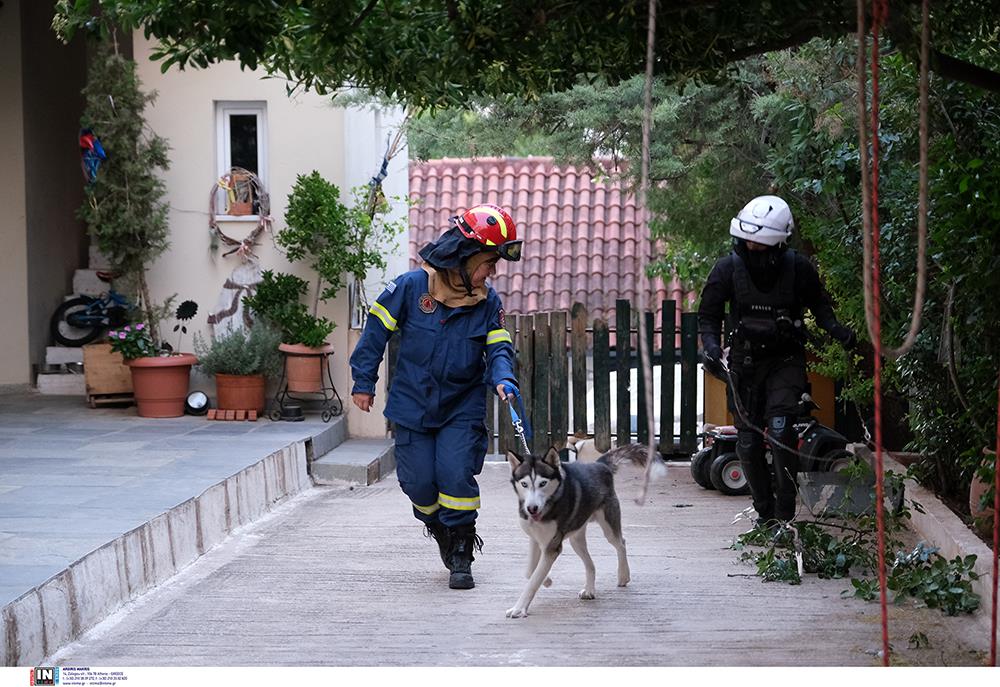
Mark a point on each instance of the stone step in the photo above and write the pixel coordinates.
(364, 461)
(62, 384)
(97, 260)
(60, 355)
(86, 283)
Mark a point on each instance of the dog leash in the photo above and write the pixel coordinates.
(521, 428)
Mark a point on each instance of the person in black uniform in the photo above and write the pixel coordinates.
(768, 286)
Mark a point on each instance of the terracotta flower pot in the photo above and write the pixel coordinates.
(983, 516)
(240, 392)
(160, 384)
(305, 367)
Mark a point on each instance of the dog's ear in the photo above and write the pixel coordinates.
(514, 460)
(552, 457)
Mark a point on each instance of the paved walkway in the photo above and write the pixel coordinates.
(73, 478)
(341, 576)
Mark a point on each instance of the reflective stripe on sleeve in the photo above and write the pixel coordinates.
(457, 503)
(379, 311)
(498, 336)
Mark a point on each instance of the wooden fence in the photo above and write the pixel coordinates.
(560, 355)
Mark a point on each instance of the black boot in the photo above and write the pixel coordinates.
(462, 541)
(441, 535)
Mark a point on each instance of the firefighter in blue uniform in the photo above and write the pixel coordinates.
(453, 342)
(768, 285)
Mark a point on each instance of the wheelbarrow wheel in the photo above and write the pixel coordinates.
(699, 467)
(726, 473)
(838, 460)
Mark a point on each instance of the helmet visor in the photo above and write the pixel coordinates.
(510, 250)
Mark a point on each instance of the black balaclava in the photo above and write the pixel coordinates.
(450, 252)
(763, 265)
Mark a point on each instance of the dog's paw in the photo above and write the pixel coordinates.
(623, 580)
(517, 612)
(587, 594)
(547, 582)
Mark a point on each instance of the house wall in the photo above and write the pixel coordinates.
(365, 136)
(56, 240)
(304, 132)
(15, 366)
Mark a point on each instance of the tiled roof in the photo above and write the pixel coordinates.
(580, 234)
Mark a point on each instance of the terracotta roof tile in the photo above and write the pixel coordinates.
(580, 234)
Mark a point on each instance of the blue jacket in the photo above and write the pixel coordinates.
(444, 354)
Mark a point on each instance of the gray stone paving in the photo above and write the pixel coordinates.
(343, 577)
(73, 478)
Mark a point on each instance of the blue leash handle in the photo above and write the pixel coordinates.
(522, 428)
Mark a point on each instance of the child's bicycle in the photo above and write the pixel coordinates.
(83, 319)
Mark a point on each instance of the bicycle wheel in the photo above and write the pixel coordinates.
(68, 334)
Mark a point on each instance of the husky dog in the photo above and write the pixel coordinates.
(556, 501)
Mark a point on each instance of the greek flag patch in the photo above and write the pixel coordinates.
(390, 286)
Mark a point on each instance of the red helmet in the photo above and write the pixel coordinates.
(493, 227)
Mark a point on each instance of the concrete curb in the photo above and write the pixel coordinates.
(945, 530)
(364, 461)
(59, 610)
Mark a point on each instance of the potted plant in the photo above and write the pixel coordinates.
(241, 361)
(338, 242)
(277, 301)
(159, 382)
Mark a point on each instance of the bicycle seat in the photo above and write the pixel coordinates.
(106, 277)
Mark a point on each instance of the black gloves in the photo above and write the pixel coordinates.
(844, 336)
(713, 361)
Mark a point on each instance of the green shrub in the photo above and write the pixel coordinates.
(241, 352)
(277, 302)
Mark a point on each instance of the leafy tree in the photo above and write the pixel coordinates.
(337, 239)
(124, 208)
(441, 52)
(786, 122)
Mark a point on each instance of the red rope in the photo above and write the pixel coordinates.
(996, 533)
(880, 13)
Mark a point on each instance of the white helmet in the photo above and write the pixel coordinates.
(765, 219)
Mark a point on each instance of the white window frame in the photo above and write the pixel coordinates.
(224, 109)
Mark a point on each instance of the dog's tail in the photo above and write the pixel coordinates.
(631, 453)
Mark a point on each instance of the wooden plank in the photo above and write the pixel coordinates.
(642, 414)
(94, 400)
(579, 346)
(105, 371)
(689, 382)
(505, 439)
(559, 403)
(602, 387)
(541, 385)
(526, 358)
(623, 368)
(668, 354)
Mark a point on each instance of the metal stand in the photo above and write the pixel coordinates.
(332, 404)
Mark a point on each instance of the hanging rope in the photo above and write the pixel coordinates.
(873, 313)
(644, 286)
(996, 534)
(867, 204)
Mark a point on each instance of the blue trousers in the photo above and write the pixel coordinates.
(437, 470)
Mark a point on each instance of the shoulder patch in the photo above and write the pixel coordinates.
(390, 286)
(502, 317)
(427, 304)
